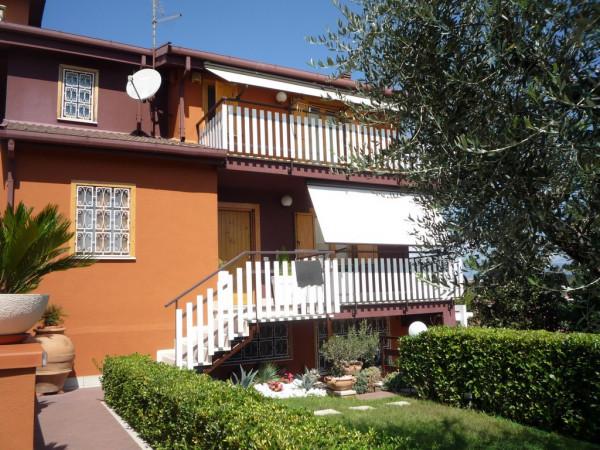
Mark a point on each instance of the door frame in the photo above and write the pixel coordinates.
(254, 210)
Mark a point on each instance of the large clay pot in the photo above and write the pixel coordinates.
(352, 368)
(60, 355)
(344, 383)
(20, 312)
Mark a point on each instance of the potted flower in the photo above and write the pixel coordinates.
(31, 246)
(59, 349)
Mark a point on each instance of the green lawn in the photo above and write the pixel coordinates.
(430, 425)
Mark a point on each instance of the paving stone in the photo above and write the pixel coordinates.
(400, 403)
(326, 412)
(361, 408)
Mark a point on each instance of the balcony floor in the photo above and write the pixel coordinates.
(78, 420)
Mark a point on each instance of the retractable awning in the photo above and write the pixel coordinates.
(365, 216)
(282, 84)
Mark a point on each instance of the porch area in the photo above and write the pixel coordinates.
(333, 272)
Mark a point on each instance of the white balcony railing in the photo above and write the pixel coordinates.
(251, 131)
(267, 291)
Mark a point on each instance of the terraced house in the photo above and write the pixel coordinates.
(227, 227)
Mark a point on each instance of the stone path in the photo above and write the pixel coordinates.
(400, 403)
(326, 412)
(78, 420)
(376, 395)
(361, 408)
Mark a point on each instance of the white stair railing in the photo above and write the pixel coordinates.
(267, 291)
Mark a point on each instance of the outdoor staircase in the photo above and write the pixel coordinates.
(218, 324)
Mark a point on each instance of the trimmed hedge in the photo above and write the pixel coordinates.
(178, 409)
(548, 380)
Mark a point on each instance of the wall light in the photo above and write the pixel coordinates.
(416, 328)
(281, 97)
(287, 201)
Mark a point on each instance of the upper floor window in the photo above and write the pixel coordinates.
(104, 220)
(78, 94)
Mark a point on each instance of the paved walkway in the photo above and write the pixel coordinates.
(376, 395)
(77, 420)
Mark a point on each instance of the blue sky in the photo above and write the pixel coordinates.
(270, 31)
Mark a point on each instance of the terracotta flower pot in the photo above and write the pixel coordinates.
(20, 312)
(352, 368)
(340, 383)
(61, 353)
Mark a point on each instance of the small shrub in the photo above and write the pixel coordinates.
(360, 344)
(175, 408)
(394, 382)
(540, 378)
(246, 379)
(367, 379)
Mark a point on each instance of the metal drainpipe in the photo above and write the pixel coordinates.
(10, 181)
(188, 69)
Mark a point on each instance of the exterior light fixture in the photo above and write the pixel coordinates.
(2, 12)
(416, 328)
(281, 97)
(287, 201)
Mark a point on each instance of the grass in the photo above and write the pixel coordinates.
(429, 425)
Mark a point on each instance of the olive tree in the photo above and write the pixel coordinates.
(496, 104)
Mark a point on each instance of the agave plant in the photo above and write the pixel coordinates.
(32, 246)
(267, 372)
(246, 379)
(309, 378)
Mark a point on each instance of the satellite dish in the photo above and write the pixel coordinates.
(143, 84)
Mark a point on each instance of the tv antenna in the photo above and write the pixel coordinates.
(158, 16)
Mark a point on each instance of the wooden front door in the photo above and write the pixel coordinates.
(238, 231)
(305, 231)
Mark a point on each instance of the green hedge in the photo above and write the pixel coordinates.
(548, 380)
(173, 408)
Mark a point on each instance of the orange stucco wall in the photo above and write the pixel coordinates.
(116, 307)
(17, 393)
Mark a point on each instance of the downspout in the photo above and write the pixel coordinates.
(186, 72)
(10, 168)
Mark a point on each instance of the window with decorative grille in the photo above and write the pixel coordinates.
(78, 94)
(270, 343)
(103, 220)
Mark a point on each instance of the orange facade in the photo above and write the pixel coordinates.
(116, 306)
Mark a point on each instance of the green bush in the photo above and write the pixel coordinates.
(539, 378)
(178, 409)
(367, 379)
(394, 382)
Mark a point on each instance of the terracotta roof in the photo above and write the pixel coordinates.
(40, 132)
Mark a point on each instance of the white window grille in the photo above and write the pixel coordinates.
(78, 94)
(103, 221)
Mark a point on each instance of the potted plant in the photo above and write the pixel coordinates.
(348, 353)
(31, 246)
(59, 349)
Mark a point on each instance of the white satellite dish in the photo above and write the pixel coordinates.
(143, 84)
